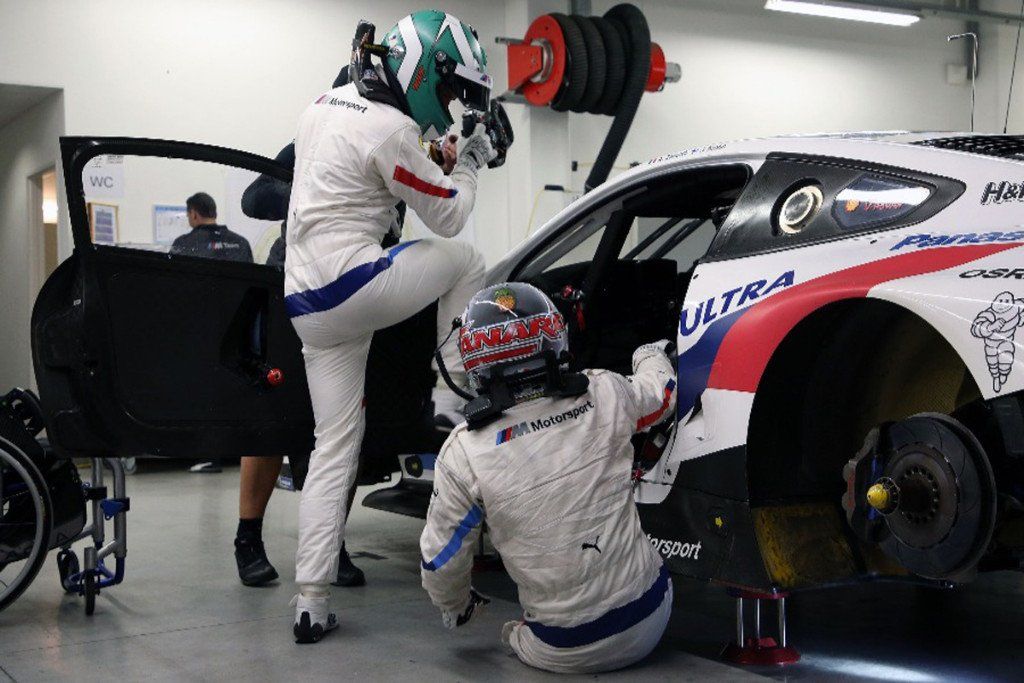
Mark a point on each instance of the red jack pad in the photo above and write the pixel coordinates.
(763, 652)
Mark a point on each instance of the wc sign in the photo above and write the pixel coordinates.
(103, 177)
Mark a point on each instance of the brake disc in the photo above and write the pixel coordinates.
(923, 489)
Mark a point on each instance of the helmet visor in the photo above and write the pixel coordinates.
(472, 87)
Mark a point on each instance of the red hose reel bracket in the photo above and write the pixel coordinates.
(537, 63)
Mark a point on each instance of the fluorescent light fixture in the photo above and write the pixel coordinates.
(843, 11)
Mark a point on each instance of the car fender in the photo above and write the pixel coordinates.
(978, 308)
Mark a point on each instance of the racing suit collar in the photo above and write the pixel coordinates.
(377, 90)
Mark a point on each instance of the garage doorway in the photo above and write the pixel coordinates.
(43, 219)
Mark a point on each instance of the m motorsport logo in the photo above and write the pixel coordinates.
(515, 431)
(338, 102)
(669, 549)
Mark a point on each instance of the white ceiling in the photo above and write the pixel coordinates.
(15, 99)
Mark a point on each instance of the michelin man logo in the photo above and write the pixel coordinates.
(997, 326)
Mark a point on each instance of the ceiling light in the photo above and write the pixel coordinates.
(843, 11)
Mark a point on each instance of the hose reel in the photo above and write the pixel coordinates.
(590, 65)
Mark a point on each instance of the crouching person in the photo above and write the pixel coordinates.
(545, 458)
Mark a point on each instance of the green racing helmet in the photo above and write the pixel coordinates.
(434, 58)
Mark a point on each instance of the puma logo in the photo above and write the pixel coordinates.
(588, 546)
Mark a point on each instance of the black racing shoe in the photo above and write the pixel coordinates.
(254, 569)
(349, 575)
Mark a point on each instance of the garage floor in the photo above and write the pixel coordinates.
(182, 615)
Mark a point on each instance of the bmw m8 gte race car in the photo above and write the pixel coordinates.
(846, 311)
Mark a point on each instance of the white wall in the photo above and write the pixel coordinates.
(238, 72)
(28, 145)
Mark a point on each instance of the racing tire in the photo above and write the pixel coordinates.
(615, 65)
(596, 69)
(575, 80)
(23, 495)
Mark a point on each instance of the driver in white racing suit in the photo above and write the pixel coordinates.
(358, 152)
(551, 476)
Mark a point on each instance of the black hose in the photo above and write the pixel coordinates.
(638, 63)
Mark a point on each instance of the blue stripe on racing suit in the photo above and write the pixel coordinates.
(611, 623)
(467, 524)
(336, 293)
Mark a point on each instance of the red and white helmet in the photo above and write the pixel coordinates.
(514, 333)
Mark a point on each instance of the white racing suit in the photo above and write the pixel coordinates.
(355, 159)
(552, 480)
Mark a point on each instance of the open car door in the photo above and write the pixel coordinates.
(140, 351)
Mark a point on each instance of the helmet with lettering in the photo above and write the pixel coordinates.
(434, 58)
(513, 335)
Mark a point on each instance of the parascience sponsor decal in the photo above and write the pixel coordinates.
(924, 239)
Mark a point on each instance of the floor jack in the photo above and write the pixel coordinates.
(87, 582)
(758, 650)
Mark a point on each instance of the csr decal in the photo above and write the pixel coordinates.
(1002, 192)
(507, 340)
(509, 433)
(670, 549)
(993, 273)
(706, 311)
(922, 240)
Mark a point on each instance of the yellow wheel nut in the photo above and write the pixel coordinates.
(878, 497)
(884, 495)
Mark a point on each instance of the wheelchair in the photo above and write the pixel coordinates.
(44, 506)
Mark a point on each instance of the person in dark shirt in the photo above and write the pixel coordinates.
(207, 238)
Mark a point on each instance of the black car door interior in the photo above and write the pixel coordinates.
(142, 352)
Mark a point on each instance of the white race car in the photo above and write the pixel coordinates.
(846, 311)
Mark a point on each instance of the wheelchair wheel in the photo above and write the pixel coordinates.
(25, 521)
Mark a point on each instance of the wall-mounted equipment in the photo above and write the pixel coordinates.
(589, 65)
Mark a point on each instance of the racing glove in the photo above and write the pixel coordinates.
(476, 150)
(662, 347)
(453, 620)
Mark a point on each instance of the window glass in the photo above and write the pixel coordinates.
(141, 202)
(871, 200)
(577, 245)
(683, 240)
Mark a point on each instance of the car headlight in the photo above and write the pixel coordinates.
(799, 208)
